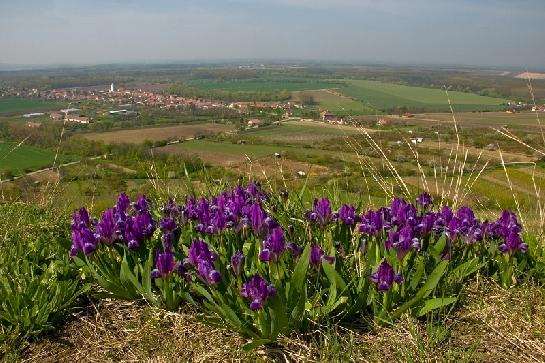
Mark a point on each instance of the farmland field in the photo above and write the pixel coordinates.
(385, 95)
(18, 159)
(249, 159)
(261, 85)
(333, 101)
(230, 151)
(19, 104)
(158, 133)
(301, 132)
(526, 120)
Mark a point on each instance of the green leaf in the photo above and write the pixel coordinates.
(429, 285)
(438, 248)
(297, 294)
(255, 343)
(298, 276)
(332, 275)
(432, 280)
(418, 273)
(436, 303)
(279, 319)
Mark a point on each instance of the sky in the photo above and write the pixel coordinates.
(457, 32)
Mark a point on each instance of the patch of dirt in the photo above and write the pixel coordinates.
(158, 133)
(526, 75)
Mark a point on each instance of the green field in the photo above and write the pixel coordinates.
(261, 85)
(523, 120)
(19, 159)
(386, 95)
(254, 151)
(20, 104)
(334, 102)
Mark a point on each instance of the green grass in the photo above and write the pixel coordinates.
(386, 95)
(19, 159)
(292, 130)
(20, 104)
(263, 85)
(261, 150)
(334, 102)
(232, 149)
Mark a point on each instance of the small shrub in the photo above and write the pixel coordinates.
(37, 281)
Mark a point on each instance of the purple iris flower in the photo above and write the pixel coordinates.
(464, 225)
(138, 228)
(322, 208)
(208, 273)
(320, 213)
(200, 257)
(454, 227)
(132, 235)
(171, 209)
(106, 227)
(424, 200)
(385, 276)
(164, 265)
(295, 249)
(512, 244)
(203, 211)
(403, 213)
(347, 214)
(426, 223)
(446, 214)
(273, 246)
(80, 219)
(256, 217)
(316, 256)
(257, 290)
(210, 229)
(168, 226)
(402, 241)
(141, 204)
(442, 219)
(255, 191)
(371, 222)
(189, 210)
(199, 251)
(237, 262)
(399, 213)
(393, 238)
(83, 238)
(235, 206)
(123, 203)
(506, 224)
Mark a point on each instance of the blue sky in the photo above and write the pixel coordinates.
(478, 32)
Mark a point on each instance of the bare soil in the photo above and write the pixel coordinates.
(158, 133)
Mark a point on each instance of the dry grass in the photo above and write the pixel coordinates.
(133, 332)
(494, 325)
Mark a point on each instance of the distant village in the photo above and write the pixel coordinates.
(124, 99)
